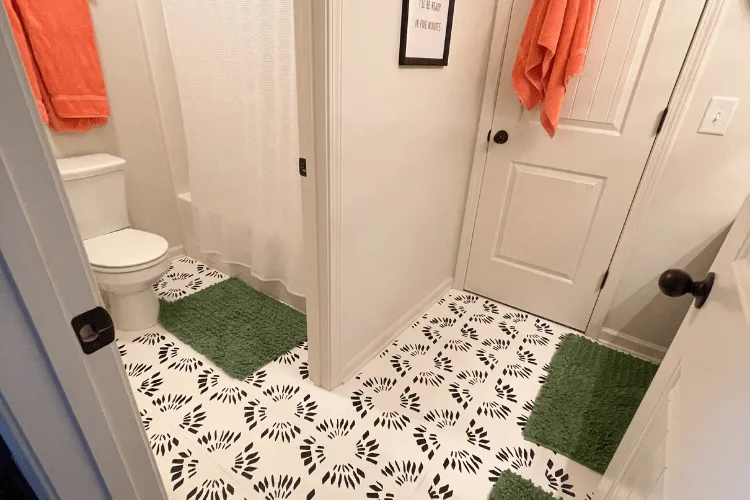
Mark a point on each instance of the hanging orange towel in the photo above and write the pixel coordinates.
(553, 49)
(58, 50)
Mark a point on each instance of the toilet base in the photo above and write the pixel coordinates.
(133, 304)
(136, 311)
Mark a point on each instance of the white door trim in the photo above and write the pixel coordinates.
(46, 263)
(653, 169)
(318, 52)
(486, 114)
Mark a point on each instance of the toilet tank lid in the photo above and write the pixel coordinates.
(78, 167)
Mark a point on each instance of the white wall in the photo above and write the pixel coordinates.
(703, 186)
(407, 137)
(134, 131)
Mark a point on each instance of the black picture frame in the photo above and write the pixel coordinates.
(421, 61)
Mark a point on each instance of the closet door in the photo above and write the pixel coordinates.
(551, 210)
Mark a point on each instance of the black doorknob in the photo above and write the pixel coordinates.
(676, 282)
(501, 137)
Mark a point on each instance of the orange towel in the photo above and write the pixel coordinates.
(58, 50)
(553, 49)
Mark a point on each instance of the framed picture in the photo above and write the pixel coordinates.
(425, 32)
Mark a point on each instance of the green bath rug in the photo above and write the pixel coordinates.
(511, 486)
(591, 394)
(235, 326)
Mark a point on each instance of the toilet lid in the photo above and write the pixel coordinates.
(125, 248)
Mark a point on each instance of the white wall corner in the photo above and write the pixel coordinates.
(379, 343)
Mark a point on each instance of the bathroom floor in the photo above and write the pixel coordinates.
(438, 415)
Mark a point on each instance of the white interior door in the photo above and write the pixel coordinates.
(690, 437)
(551, 210)
(74, 412)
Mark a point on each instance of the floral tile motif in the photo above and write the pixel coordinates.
(184, 277)
(563, 477)
(438, 414)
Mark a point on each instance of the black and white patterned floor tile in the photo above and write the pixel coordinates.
(437, 415)
(186, 276)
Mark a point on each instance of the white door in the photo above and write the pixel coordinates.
(690, 437)
(72, 413)
(551, 210)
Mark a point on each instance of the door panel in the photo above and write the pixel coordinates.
(551, 211)
(553, 203)
(602, 94)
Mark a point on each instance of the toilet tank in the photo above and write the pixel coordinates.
(95, 185)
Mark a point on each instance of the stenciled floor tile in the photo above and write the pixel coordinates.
(186, 276)
(565, 478)
(438, 414)
(188, 471)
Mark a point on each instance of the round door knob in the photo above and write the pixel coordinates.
(501, 137)
(676, 282)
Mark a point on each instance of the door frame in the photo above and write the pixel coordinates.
(653, 170)
(318, 53)
(320, 193)
(81, 429)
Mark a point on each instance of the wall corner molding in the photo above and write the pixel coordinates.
(631, 345)
(175, 252)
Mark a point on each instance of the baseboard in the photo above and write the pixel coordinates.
(631, 345)
(389, 334)
(175, 252)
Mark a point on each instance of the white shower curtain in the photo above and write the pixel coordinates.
(234, 62)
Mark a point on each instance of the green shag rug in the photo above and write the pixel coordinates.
(235, 326)
(511, 486)
(591, 394)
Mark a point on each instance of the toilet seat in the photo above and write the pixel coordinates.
(125, 251)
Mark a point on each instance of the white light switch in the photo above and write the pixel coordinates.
(718, 115)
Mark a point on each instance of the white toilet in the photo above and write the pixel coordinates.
(126, 262)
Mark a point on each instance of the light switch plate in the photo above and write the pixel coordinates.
(718, 116)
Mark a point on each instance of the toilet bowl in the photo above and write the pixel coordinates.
(126, 262)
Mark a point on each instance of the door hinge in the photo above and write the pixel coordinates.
(604, 279)
(661, 120)
(303, 167)
(489, 134)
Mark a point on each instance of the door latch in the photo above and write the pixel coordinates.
(94, 329)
